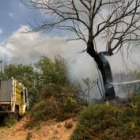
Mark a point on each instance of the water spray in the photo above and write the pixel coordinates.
(128, 82)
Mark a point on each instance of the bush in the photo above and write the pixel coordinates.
(10, 120)
(44, 110)
(52, 71)
(51, 90)
(109, 122)
(58, 99)
(57, 102)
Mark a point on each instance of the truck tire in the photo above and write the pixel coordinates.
(16, 113)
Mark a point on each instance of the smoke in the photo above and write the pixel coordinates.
(27, 48)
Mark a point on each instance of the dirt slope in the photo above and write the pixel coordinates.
(50, 130)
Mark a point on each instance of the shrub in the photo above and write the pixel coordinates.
(51, 90)
(68, 124)
(52, 71)
(10, 120)
(44, 110)
(109, 122)
(57, 102)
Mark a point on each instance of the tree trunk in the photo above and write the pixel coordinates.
(105, 70)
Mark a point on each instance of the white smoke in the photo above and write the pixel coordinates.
(27, 48)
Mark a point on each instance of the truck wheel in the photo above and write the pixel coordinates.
(2, 119)
(16, 116)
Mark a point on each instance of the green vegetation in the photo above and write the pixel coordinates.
(52, 96)
(56, 102)
(17, 71)
(36, 76)
(52, 71)
(10, 120)
(58, 99)
(108, 121)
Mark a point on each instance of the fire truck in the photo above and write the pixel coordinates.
(13, 97)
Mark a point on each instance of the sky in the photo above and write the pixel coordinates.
(16, 46)
(16, 17)
(15, 14)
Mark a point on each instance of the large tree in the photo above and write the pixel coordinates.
(117, 21)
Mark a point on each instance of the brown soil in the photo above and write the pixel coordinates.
(50, 130)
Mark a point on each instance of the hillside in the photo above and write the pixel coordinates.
(49, 130)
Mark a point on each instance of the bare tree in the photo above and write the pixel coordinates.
(117, 21)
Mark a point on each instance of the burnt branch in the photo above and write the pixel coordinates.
(118, 21)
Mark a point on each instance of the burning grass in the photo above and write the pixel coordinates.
(110, 121)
